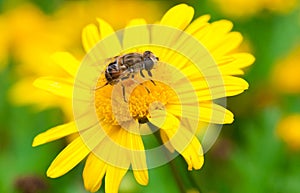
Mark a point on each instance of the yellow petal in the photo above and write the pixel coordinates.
(67, 61)
(187, 145)
(141, 176)
(181, 138)
(136, 33)
(208, 112)
(33, 95)
(197, 24)
(68, 158)
(222, 26)
(232, 64)
(111, 46)
(193, 155)
(113, 179)
(90, 37)
(136, 22)
(230, 42)
(217, 33)
(163, 119)
(138, 159)
(213, 113)
(55, 133)
(58, 86)
(170, 124)
(202, 33)
(105, 29)
(75, 151)
(93, 173)
(112, 147)
(230, 86)
(189, 111)
(234, 85)
(164, 137)
(165, 34)
(178, 16)
(209, 88)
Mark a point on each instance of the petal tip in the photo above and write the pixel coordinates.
(36, 83)
(50, 173)
(37, 141)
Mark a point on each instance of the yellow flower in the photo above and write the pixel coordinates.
(243, 9)
(116, 12)
(196, 65)
(288, 129)
(285, 75)
(31, 41)
(280, 6)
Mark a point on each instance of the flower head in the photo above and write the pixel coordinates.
(285, 76)
(288, 130)
(196, 66)
(243, 9)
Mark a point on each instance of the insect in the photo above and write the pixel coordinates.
(127, 66)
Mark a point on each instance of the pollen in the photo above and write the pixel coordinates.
(103, 106)
(141, 101)
(143, 98)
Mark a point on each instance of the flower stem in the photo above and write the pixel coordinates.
(177, 177)
(172, 166)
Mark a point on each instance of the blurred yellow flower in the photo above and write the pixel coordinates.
(31, 41)
(196, 65)
(116, 12)
(280, 6)
(285, 75)
(288, 129)
(243, 9)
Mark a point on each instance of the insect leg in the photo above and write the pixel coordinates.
(153, 82)
(150, 74)
(137, 82)
(123, 91)
(141, 72)
(123, 88)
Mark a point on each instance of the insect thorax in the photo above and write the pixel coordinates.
(131, 59)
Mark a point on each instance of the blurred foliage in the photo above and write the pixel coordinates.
(248, 157)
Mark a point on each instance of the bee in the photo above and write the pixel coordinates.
(127, 66)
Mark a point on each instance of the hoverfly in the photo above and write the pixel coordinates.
(127, 66)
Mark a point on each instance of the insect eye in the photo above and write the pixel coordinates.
(157, 58)
(147, 54)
